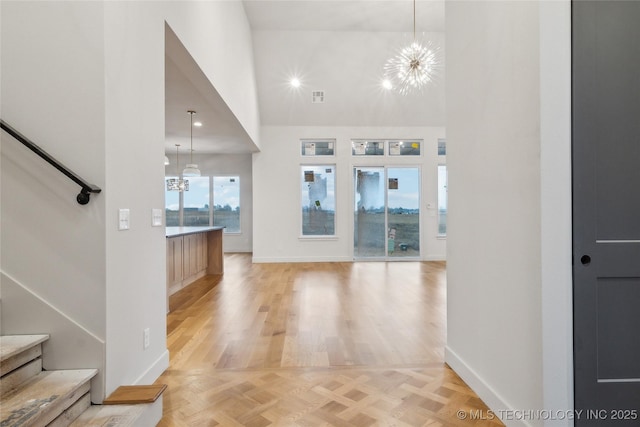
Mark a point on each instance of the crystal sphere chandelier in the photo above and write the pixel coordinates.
(414, 66)
(177, 184)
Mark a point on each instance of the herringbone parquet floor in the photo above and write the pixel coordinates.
(326, 344)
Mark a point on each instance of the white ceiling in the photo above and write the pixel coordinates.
(336, 46)
(345, 15)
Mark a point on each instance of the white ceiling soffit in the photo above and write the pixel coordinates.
(187, 88)
(345, 15)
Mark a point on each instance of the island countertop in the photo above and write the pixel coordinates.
(182, 231)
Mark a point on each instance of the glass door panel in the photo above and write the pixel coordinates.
(403, 212)
(369, 215)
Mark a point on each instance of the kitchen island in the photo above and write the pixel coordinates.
(192, 253)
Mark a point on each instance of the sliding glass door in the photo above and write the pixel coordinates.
(370, 218)
(403, 212)
(386, 212)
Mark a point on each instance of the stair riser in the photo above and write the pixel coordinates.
(54, 410)
(73, 412)
(31, 397)
(16, 377)
(14, 362)
(42, 401)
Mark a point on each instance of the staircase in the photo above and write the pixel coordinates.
(30, 396)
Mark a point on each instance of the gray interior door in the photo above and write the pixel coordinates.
(606, 204)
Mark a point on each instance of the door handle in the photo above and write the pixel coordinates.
(585, 259)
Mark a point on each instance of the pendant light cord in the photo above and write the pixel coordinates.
(191, 113)
(178, 160)
(414, 21)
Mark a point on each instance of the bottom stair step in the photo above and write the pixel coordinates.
(110, 415)
(41, 399)
(127, 406)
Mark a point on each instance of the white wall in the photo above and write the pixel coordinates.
(494, 332)
(52, 59)
(43, 90)
(217, 35)
(229, 165)
(555, 159)
(276, 191)
(88, 84)
(136, 271)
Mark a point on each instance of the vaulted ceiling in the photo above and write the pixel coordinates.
(337, 47)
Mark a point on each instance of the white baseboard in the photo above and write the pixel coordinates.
(489, 396)
(154, 371)
(261, 260)
(265, 260)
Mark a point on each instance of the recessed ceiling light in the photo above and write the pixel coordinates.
(198, 124)
(295, 82)
(386, 83)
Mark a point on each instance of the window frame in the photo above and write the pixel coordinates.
(446, 190)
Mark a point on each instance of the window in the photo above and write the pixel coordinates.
(196, 202)
(442, 147)
(404, 148)
(192, 207)
(226, 203)
(318, 186)
(442, 200)
(361, 147)
(172, 203)
(318, 147)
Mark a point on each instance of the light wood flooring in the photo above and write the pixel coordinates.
(314, 344)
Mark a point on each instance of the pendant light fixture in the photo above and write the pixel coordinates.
(414, 66)
(192, 168)
(177, 184)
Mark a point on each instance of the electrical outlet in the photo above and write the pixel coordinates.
(146, 338)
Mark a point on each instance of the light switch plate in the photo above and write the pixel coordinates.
(123, 219)
(156, 217)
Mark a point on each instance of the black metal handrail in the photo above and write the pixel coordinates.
(85, 193)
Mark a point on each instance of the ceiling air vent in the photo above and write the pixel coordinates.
(317, 97)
